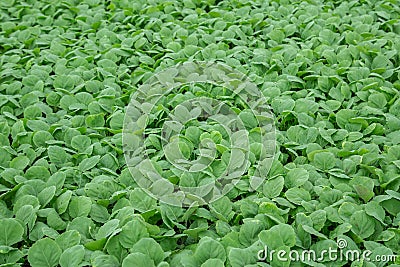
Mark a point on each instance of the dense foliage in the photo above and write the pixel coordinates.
(328, 69)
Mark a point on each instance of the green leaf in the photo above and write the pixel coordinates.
(132, 232)
(324, 161)
(239, 257)
(213, 263)
(151, 248)
(380, 62)
(137, 259)
(107, 229)
(362, 224)
(364, 187)
(104, 260)
(57, 155)
(248, 119)
(41, 137)
(222, 208)
(80, 142)
(89, 163)
(141, 201)
(318, 218)
(68, 239)
(209, 248)
(46, 195)
(19, 162)
(64, 82)
(296, 177)
(278, 236)
(37, 172)
(96, 120)
(62, 201)
(281, 104)
(298, 195)
(273, 187)
(343, 116)
(11, 232)
(375, 210)
(57, 180)
(96, 245)
(72, 256)
(312, 231)
(79, 206)
(377, 100)
(27, 214)
(44, 252)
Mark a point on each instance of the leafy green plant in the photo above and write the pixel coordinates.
(68, 69)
